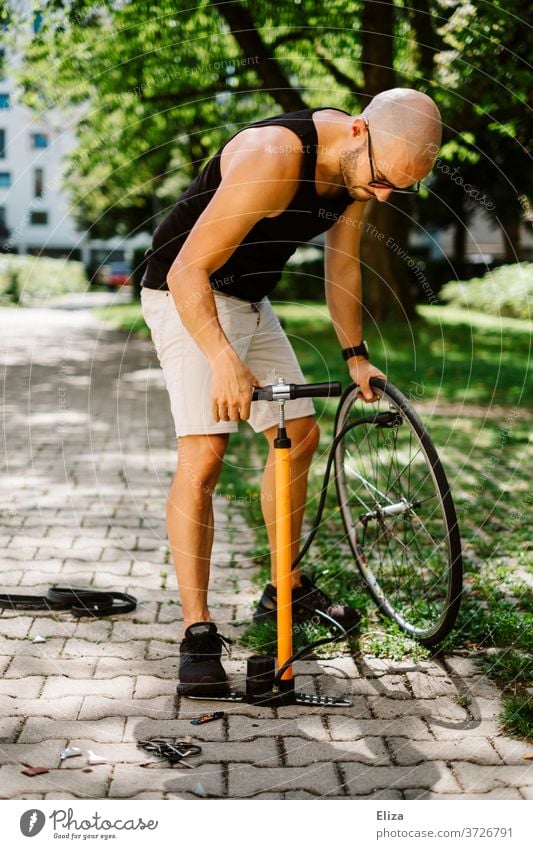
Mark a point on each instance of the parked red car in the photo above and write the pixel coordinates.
(115, 273)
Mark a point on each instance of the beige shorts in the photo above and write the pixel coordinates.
(256, 336)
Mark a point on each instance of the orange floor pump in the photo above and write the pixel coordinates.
(265, 684)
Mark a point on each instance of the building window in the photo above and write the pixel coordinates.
(39, 218)
(38, 182)
(4, 101)
(4, 232)
(2, 63)
(5, 179)
(2, 144)
(39, 140)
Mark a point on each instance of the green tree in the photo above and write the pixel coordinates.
(155, 86)
(484, 78)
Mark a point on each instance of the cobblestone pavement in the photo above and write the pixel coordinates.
(89, 453)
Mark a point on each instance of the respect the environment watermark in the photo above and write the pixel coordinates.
(389, 242)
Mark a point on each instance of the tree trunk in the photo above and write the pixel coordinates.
(511, 237)
(385, 260)
(377, 57)
(459, 242)
(272, 75)
(428, 45)
(386, 277)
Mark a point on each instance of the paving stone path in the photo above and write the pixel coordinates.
(88, 456)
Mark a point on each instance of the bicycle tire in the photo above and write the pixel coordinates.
(406, 542)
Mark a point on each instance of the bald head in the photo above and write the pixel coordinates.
(406, 128)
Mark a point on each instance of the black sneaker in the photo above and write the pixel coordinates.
(201, 672)
(306, 600)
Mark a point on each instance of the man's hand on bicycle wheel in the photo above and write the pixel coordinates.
(361, 371)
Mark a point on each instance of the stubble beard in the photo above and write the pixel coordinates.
(348, 165)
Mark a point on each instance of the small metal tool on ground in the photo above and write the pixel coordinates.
(174, 752)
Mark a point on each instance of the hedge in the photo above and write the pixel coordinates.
(506, 291)
(27, 280)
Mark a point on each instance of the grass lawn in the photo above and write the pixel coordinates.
(467, 375)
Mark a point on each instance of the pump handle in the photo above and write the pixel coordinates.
(305, 390)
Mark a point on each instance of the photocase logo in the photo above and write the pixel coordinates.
(32, 822)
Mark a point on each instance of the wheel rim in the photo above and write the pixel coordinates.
(396, 508)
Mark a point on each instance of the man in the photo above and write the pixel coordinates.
(214, 259)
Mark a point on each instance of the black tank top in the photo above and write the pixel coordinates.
(256, 265)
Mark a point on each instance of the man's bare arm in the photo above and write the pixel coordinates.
(344, 292)
(256, 183)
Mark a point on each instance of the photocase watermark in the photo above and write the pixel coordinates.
(519, 515)
(413, 394)
(32, 822)
(416, 391)
(458, 179)
(288, 148)
(206, 484)
(65, 825)
(218, 285)
(76, 156)
(329, 215)
(493, 461)
(390, 243)
(249, 498)
(62, 404)
(83, 17)
(298, 148)
(413, 266)
(301, 627)
(221, 283)
(65, 820)
(523, 200)
(228, 65)
(14, 514)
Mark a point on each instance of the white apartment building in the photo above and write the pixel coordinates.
(36, 216)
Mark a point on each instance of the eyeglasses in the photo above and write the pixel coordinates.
(384, 184)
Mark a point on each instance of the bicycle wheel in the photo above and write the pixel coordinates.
(398, 512)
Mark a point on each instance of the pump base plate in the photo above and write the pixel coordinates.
(279, 700)
(227, 697)
(322, 701)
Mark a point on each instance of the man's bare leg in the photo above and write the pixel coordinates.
(190, 524)
(304, 435)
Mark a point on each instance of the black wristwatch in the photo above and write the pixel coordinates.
(357, 351)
